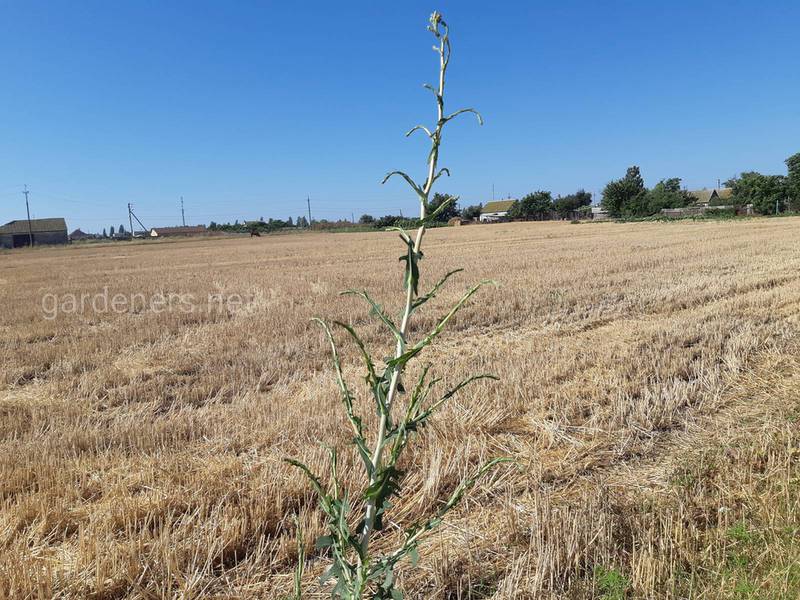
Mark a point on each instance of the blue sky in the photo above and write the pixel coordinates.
(245, 108)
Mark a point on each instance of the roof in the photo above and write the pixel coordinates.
(37, 226)
(179, 230)
(497, 206)
(703, 196)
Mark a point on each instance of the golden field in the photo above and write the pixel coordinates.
(649, 392)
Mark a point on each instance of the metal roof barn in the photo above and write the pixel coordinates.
(16, 234)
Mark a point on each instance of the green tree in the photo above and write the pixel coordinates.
(366, 220)
(449, 211)
(626, 195)
(388, 221)
(565, 205)
(472, 212)
(536, 206)
(793, 181)
(767, 193)
(667, 193)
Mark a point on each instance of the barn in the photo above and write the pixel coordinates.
(16, 234)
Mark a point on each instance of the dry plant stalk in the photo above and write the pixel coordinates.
(356, 571)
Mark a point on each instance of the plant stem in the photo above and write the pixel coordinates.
(371, 508)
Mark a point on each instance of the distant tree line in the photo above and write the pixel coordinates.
(112, 233)
(768, 194)
(625, 197)
(261, 226)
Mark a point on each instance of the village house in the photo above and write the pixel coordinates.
(78, 235)
(706, 197)
(496, 210)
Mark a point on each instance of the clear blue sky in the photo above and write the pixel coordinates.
(244, 108)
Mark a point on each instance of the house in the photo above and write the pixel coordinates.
(706, 197)
(599, 213)
(16, 234)
(177, 231)
(496, 210)
(79, 235)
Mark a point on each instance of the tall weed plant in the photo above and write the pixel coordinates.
(356, 570)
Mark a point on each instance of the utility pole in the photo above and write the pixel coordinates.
(131, 213)
(183, 216)
(308, 200)
(28, 210)
(719, 187)
(130, 219)
(352, 217)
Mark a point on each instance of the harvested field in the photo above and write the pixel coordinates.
(649, 392)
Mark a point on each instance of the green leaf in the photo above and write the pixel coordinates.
(435, 290)
(377, 311)
(324, 541)
(332, 571)
(419, 128)
(347, 396)
(462, 111)
(409, 181)
(363, 452)
(313, 478)
(413, 553)
(411, 258)
(368, 363)
(401, 360)
(447, 202)
(423, 416)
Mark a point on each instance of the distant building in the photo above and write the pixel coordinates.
(16, 234)
(79, 235)
(599, 213)
(177, 231)
(496, 210)
(702, 209)
(706, 197)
